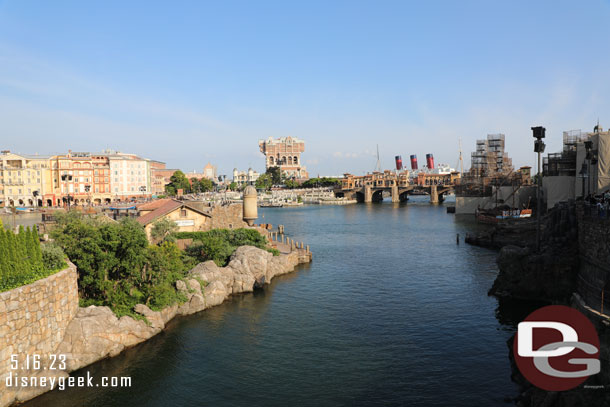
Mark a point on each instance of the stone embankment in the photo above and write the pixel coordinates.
(525, 274)
(571, 268)
(94, 333)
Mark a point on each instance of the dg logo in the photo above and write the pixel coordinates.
(556, 348)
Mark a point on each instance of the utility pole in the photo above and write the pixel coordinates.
(461, 161)
(539, 134)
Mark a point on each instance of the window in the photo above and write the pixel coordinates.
(183, 213)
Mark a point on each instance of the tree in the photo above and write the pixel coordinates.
(291, 184)
(276, 175)
(265, 181)
(116, 265)
(178, 181)
(170, 190)
(4, 256)
(206, 185)
(321, 182)
(162, 229)
(195, 186)
(233, 186)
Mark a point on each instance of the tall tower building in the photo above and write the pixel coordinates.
(285, 153)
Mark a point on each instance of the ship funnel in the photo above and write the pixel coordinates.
(430, 161)
(398, 162)
(413, 162)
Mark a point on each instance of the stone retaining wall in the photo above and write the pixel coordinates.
(33, 321)
(226, 217)
(594, 251)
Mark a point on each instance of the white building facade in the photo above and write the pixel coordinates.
(129, 176)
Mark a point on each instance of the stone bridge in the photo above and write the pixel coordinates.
(371, 187)
(399, 194)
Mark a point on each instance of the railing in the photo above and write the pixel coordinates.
(595, 211)
(279, 238)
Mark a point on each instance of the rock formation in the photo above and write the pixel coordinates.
(526, 275)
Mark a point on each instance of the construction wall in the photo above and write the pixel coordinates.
(558, 189)
(467, 205)
(523, 197)
(603, 164)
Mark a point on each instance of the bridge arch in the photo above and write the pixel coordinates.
(377, 195)
(403, 196)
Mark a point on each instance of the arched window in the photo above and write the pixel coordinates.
(289, 160)
(295, 160)
(271, 160)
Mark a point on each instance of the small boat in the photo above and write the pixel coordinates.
(500, 215)
(271, 205)
(22, 209)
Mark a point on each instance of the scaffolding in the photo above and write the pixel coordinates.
(564, 162)
(490, 158)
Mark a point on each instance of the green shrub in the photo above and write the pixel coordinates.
(273, 251)
(52, 256)
(212, 248)
(220, 244)
(21, 260)
(117, 267)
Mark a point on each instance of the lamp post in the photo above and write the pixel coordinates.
(583, 174)
(539, 133)
(588, 147)
(88, 190)
(67, 178)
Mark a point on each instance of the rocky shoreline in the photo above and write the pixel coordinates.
(554, 276)
(96, 333)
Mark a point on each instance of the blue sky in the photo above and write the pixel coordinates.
(191, 82)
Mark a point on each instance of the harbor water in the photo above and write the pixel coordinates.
(390, 312)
